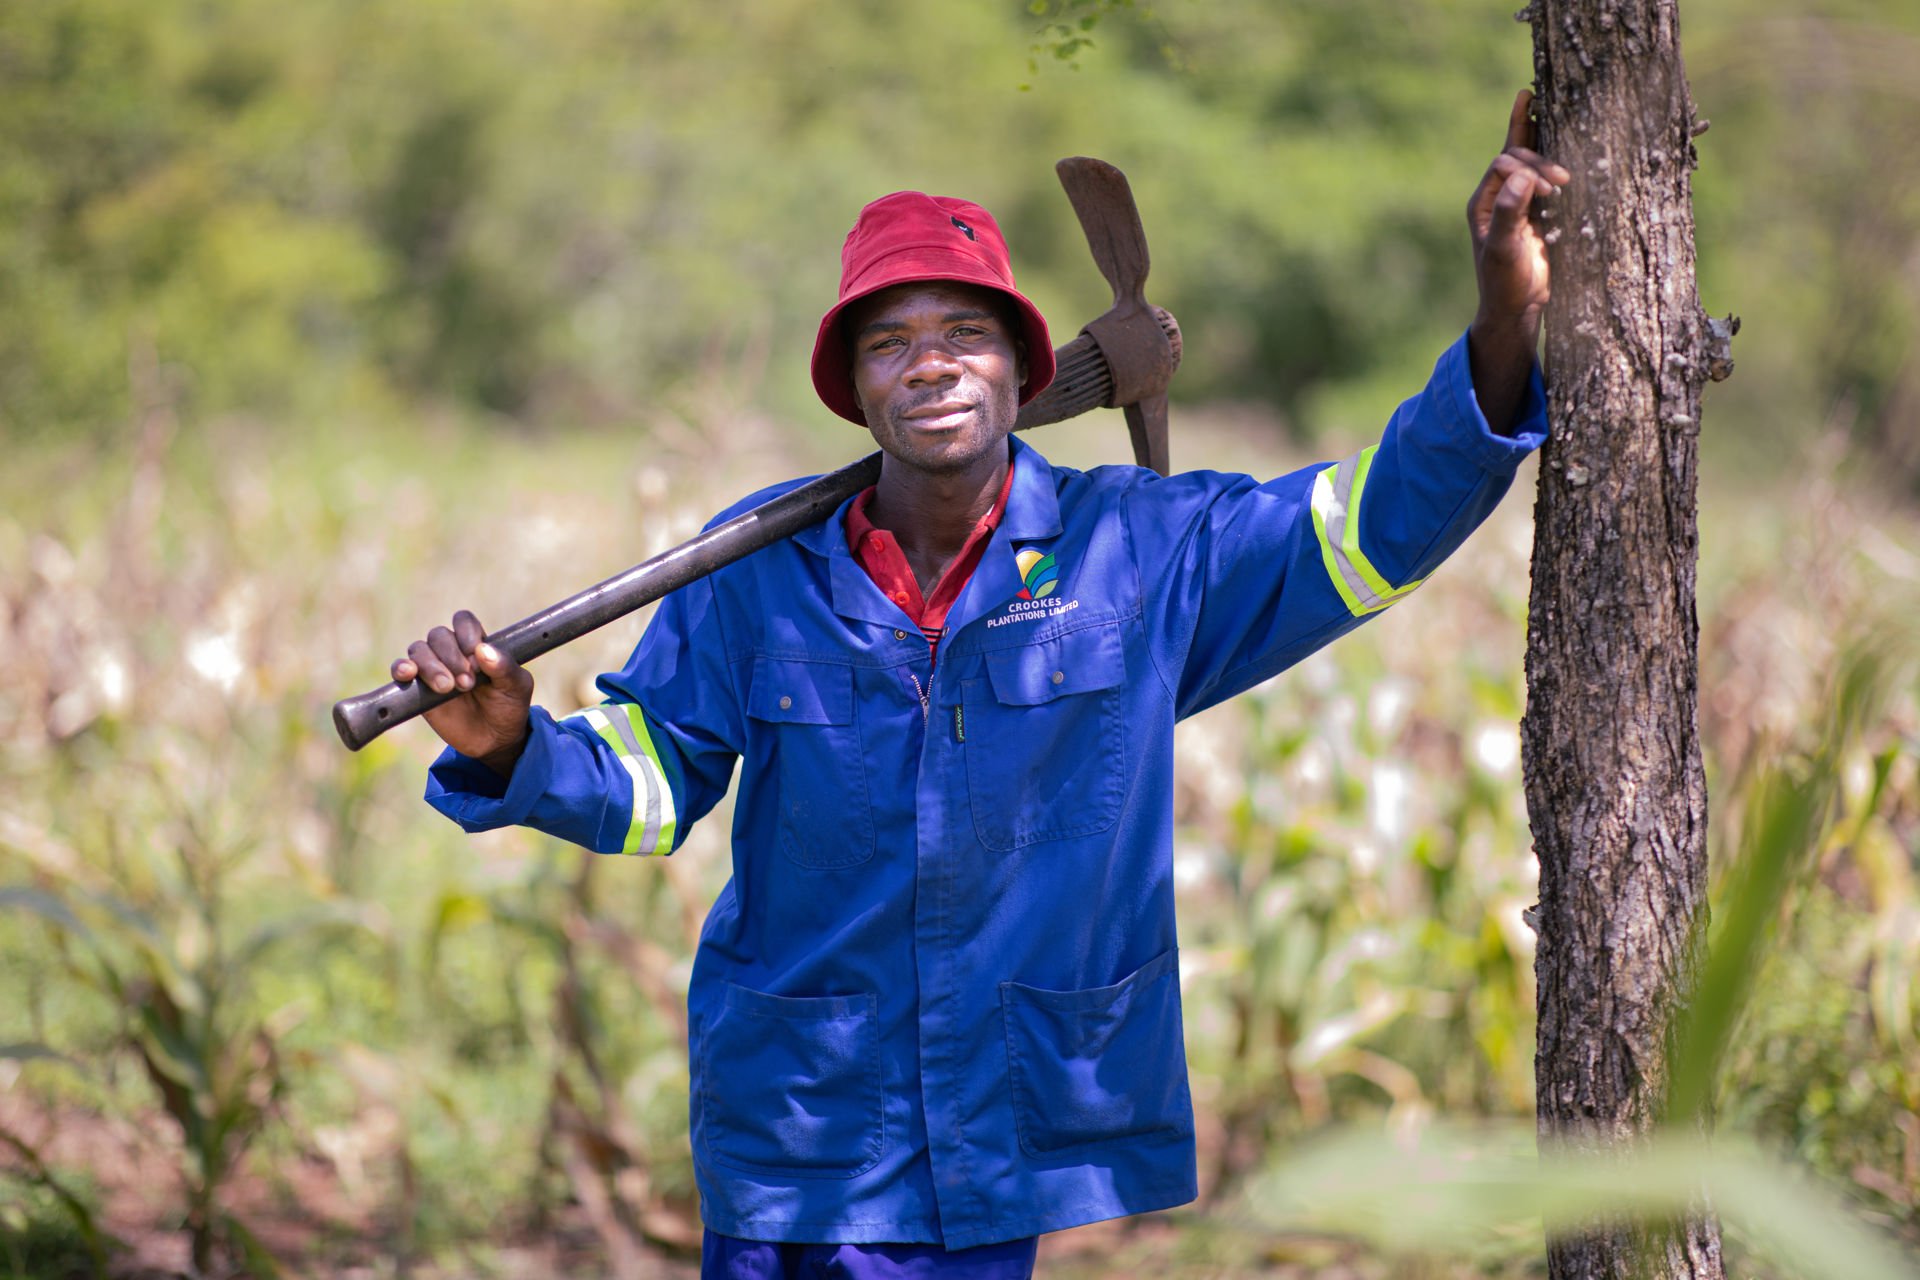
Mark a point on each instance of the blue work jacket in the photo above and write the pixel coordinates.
(939, 999)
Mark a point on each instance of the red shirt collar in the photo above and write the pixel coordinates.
(878, 552)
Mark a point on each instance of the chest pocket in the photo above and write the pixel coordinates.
(1046, 739)
(826, 815)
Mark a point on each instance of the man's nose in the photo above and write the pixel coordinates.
(932, 363)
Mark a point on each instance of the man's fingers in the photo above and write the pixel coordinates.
(494, 663)
(1508, 165)
(1504, 170)
(1480, 204)
(1510, 204)
(441, 641)
(1545, 167)
(468, 631)
(426, 666)
(448, 658)
(498, 665)
(1520, 121)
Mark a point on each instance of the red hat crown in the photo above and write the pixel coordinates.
(909, 237)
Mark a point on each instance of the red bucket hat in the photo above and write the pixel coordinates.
(907, 237)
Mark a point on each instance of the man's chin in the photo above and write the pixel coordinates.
(934, 461)
(939, 457)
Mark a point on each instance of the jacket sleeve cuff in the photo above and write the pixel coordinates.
(1467, 425)
(478, 798)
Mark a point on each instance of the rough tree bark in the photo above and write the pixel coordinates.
(1615, 790)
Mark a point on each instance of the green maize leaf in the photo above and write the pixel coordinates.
(97, 1242)
(328, 917)
(169, 1050)
(183, 989)
(33, 1052)
(260, 1262)
(455, 911)
(1781, 837)
(1449, 1190)
(126, 913)
(538, 927)
(51, 909)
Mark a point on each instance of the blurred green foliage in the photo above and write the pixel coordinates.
(566, 213)
(1456, 1186)
(506, 1046)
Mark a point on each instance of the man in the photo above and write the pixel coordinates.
(936, 1010)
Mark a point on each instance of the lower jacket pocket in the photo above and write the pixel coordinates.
(791, 1085)
(1099, 1065)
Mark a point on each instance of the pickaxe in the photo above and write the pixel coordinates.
(1122, 360)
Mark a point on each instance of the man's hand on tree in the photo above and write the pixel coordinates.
(1510, 264)
(488, 721)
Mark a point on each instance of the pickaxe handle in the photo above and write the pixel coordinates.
(1083, 382)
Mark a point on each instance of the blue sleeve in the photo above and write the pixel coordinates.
(633, 774)
(1243, 579)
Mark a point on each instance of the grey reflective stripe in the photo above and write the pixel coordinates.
(1336, 497)
(1336, 514)
(641, 766)
(649, 825)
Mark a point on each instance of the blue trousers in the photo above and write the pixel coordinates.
(726, 1258)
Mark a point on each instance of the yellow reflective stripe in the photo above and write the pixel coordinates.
(1323, 513)
(663, 838)
(650, 825)
(1361, 462)
(1337, 491)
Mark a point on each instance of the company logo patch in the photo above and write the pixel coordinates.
(1039, 599)
(961, 225)
(1039, 572)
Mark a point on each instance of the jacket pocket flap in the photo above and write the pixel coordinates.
(1094, 999)
(787, 692)
(1077, 662)
(820, 1008)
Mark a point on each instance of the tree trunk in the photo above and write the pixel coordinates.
(1615, 790)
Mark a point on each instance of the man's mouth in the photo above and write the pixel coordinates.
(942, 415)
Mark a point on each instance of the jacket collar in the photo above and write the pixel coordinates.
(1033, 512)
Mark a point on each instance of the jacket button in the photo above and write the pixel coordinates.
(899, 635)
(786, 703)
(1058, 676)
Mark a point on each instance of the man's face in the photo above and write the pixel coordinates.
(937, 369)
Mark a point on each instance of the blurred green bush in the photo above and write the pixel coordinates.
(566, 213)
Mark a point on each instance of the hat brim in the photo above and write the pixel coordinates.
(833, 363)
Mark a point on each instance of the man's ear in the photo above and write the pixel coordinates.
(1020, 366)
